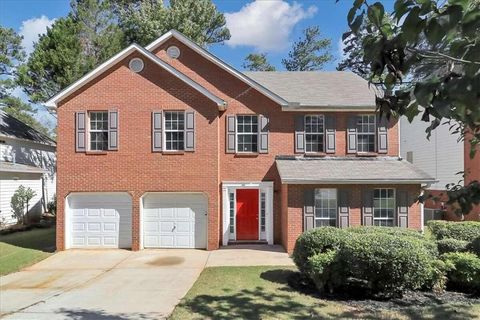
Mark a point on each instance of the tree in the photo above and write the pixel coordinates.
(145, 20)
(445, 36)
(309, 53)
(71, 47)
(12, 55)
(20, 201)
(257, 62)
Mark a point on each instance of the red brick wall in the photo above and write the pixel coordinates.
(135, 169)
(293, 215)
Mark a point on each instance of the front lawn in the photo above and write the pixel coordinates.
(263, 293)
(22, 249)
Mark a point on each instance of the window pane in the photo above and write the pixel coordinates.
(384, 207)
(366, 133)
(174, 130)
(247, 133)
(325, 207)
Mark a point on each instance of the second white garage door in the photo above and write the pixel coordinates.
(174, 220)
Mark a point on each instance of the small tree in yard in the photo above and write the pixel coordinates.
(20, 201)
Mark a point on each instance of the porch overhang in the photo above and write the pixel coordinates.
(347, 170)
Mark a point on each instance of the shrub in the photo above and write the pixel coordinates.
(322, 272)
(389, 264)
(52, 205)
(316, 241)
(20, 203)
(388, 230)
(474, 246)
(465, 230)
(463, 270)
(451, 245)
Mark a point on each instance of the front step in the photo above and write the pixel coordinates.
(238, 242)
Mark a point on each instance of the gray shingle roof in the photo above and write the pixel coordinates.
(17, 167)
(320, 89)
(14, 128)
(349, 171)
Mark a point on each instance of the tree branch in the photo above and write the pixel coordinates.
(437, 55)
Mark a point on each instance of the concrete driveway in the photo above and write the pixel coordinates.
(106, 284)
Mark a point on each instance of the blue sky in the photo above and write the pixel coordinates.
(269, 26)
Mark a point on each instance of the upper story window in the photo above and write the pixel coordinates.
(366, 131)
(384, 207)
(98, 130)
(174, 130)
(314, 133)
(325, 207)
(247, 133)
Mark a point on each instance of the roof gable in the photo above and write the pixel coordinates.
(223, 65)
(52, 102)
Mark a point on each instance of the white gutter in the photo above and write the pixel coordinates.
(359, 181)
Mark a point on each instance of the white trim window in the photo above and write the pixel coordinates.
(314, 133)
(98, 130)
(247, 133)
(384, 207)
(174, 130)
(325, 207)
(366, 133)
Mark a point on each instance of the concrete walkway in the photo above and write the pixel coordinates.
(117, 284)
(249, 255)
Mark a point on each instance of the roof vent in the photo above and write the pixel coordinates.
(136, 65)
(173, 52)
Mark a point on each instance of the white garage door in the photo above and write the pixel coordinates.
(99, 220)
(175, 220)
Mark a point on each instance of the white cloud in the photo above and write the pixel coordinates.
(265, 25)
(31, 29)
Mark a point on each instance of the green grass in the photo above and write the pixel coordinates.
(262, 293)
(22, 249)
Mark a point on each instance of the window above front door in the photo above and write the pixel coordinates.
(247, 133)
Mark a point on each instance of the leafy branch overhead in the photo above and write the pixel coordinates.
(426, 56)
(257, 62)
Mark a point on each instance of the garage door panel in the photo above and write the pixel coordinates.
(181, 220)
(100, 220)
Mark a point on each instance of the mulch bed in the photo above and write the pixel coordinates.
(409, 299)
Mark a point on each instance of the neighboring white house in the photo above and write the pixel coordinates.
(27, 157)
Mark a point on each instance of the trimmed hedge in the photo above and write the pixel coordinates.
(464, 230)
(316, 241)
(463, 271)
(474, 246)
(389, 264)
(382, 261)
(451, 245)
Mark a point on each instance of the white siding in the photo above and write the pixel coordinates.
(441, 156)
(9, 183)
(33, 154)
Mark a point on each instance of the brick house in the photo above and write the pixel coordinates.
(168, 146)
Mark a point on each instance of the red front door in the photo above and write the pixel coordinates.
(247, 214)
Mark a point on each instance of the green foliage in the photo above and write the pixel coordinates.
(444, 38)
(373, 258)
(11, 55)
(451, 245)
(144, 20)
(336, 259)
(52, 205)
(71, 47)
(20, 201)
(465, 230)
(315, 241)
(309, 53)
(474, 246)
(257, 62)
(463, 270)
